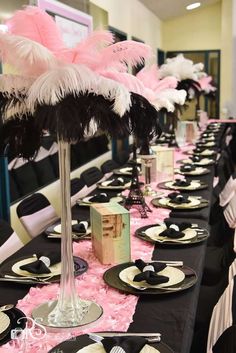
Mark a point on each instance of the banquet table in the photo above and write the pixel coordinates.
(172, 314)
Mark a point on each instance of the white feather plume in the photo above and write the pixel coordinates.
(55, 84)
(169, 97)
(28, 57)
(181, 68)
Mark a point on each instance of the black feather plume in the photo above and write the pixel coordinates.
(188, 84)
(21, 135)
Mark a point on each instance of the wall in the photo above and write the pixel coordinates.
(226, 56)
(133, 18)
(233, 95)
(200, 29)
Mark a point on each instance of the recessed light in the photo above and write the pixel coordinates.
(193, 6)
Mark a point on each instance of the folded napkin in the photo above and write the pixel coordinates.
(174, 230)
(178, 198)
(127, 344)
(149, 272)
(187, 168)
(43, 262)
(100, 198)
(118, 182)
(81, 227)
(196, 158)
(198, 150)
(179, 182)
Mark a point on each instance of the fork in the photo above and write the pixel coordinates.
(38, 279)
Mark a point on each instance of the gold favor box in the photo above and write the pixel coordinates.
(110, 226)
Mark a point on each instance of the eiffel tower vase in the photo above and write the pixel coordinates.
(135, 198)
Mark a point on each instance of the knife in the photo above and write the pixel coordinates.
(151, 337)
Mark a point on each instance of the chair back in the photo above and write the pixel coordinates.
(9, 241)
(36, 214)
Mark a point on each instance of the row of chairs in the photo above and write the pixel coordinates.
(215, 321)
(36, 213)
(28, 176)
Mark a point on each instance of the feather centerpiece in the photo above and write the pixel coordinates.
(35, 24)
(70, 100)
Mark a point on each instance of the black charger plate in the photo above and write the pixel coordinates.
(203, 203)
(201, 236)
(81, 266)
(182, 188)
(111, 277)
(14, 315)
(79, 342)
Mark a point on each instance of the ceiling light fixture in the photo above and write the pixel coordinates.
(193, 6)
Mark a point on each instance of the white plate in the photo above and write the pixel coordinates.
(85, 200)
(197, 171)
(206, 152)
(55, 269)
(167, 202)
(153, 233)
(193, 185)
(107, 182)
(203, 161)
(174, 274)
(126, 170)
(4, 322)
(208, 144)
(98, 348)
(57, 228)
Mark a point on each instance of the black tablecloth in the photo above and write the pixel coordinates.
(173, 315)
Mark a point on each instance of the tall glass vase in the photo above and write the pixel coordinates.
(69, 310)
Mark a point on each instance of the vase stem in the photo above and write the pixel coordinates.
(70, 309)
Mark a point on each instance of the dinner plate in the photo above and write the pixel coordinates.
(85, 201)
(11, 268)
(206, 144)
(202, 162)
(124, 171)
(201, 235)
(153, 233)
(205, 153)
(195, 203)
(175, 275)
(195, 185)
(112, 278)
(98, 348)
(54, 232)
(17, 322)
(198, 171)
(4, 324)
(105, 185)
(78, 343)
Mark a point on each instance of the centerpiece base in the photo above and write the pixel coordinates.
(43, 315)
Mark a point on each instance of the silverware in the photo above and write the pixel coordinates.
(33, 278)
(6, 307)
(30, 281)
(151, 337)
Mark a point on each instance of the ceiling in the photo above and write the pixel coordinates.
(166, 9)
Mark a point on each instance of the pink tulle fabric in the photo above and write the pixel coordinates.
(118, 308)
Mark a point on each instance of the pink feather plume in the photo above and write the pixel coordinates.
(205, 84)
(132, 83)
(86, 52)
(128, 51)
(150, 78)
(37, 25)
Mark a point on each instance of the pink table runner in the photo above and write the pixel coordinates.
(118, 308)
